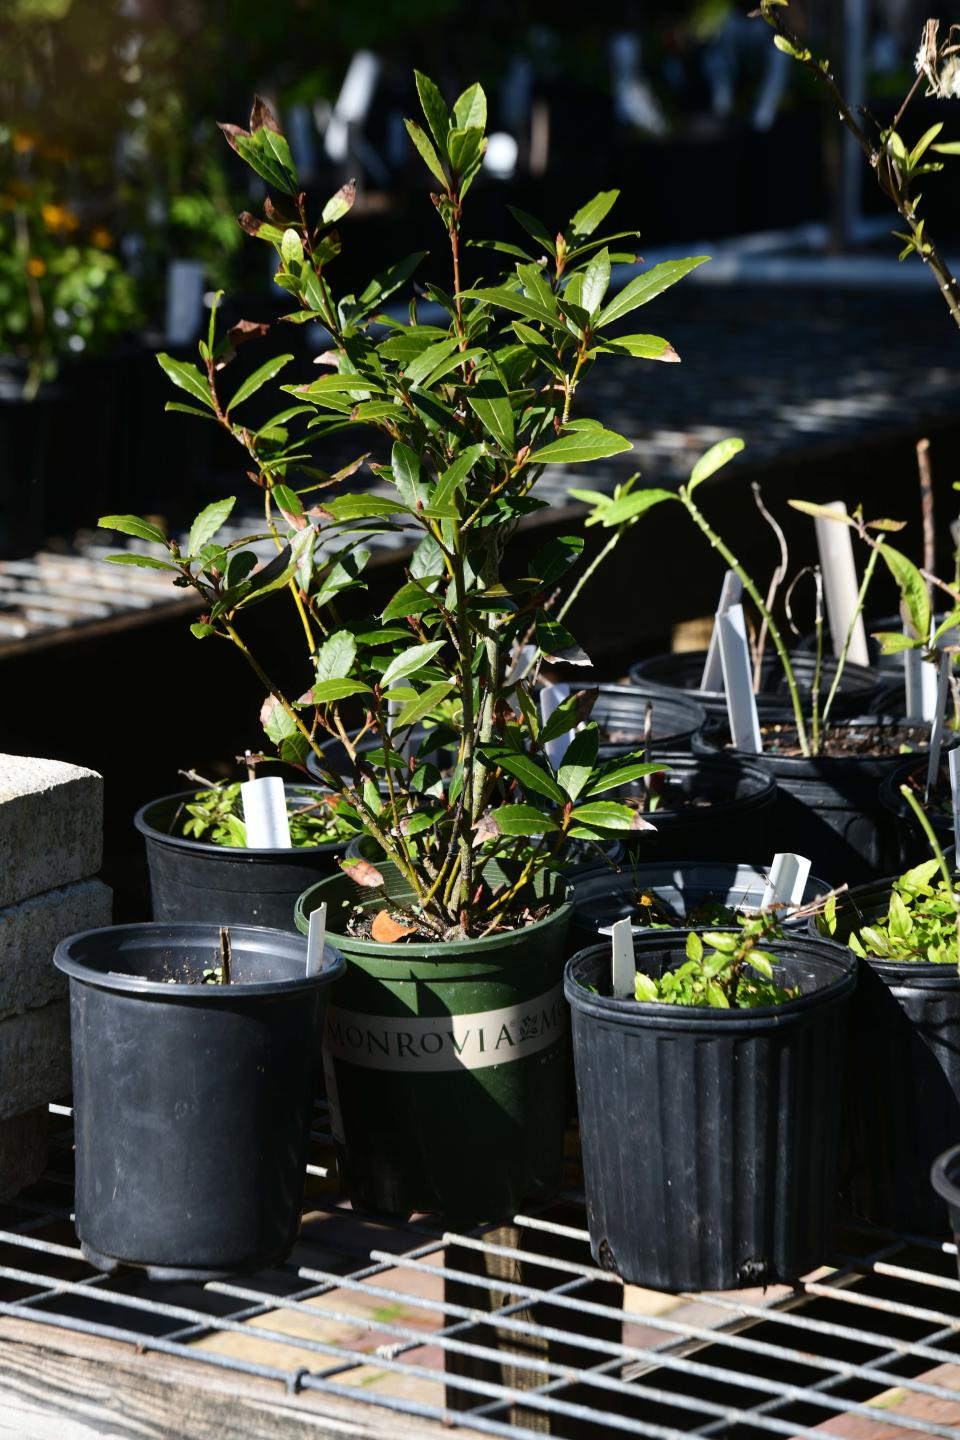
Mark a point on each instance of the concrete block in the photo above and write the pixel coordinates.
(29, 934)
(23, 1151)
(34, 1058)
(51, 825)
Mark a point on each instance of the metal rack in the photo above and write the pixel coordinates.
(508, 1329)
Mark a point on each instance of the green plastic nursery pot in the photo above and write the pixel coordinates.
(445, 1064)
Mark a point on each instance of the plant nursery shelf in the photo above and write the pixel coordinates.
(377, 1328)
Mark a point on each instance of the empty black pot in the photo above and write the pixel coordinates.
(621, 710)
(903, 1090)
(192, 1101)
(945, 1178)
(859, 691)
(710, 1137)
(705, 806)
(224, 884)
(912, 843)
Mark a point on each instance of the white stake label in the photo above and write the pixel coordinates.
(550, 697)
(785, 883)
(953, 760)
(939, 720)
(315, 939)
(730, 593)
(265, 814)
(738, 681)
(623, 965)
(840, 585)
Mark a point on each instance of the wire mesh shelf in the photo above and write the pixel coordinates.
(512, 1328)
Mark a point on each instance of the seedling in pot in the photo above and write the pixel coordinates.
(465, 416)
(215, 815)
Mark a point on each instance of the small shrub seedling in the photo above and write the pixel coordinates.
(216, 816)
(725, 970)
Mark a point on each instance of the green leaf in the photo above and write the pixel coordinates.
(434, 108)
(269, 154)
(535, 229)
(443, 501)
(788, 48)
(580, 445)
(287, 501)
(409, 477)
(647, 287)
(427, 152)
(187, 377)
(133, 525)
(589, 216)
(926, 139)
(491, 404)
(617, 774)
(950, 623)
(645, 989)
(608, 815)
(208, 522)
(452, 362)
(410, 661)
(642, 347)
(201, 630)
(522, 820)
(556, 558)
(596, 279)
(291, 248)
(891, 642)
(823, 512)
(418, 369)
(383, 285)
(949, 147)
(344, 575)
(524, 305)
(339, 204)
(761, 962)
(418, 709)
(579, 760)
(190, 410)
(361, 507)
(566, 716)
(524, 768)
(145, 562)
(464, 148)
(259, 377)
(694, 948)
(471, 109)
(336, 656)
(715, 458)
(329, 691)
(412, 599)
(610, 512)
(913, 589)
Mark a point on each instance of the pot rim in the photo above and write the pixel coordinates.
(940, 1172)
(900, 973)
(201, 931)
(657, 874)
(709, 748)
(652, 1014)
(436, 950)
(242, 853)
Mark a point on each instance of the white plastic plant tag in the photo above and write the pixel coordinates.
(521, 663)
(953, 760)
(185, 286)
(265, 814)
(939, 721)
(730, 592)
(841, 587)
(315, 938)
(921, 682)
(623, 972)
(738, 681)
(550, 697)
(786, 881)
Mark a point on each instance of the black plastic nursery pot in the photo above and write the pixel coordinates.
(601, 897)
(706, 805)
(409, 744)
(621, 715)
(223, 884)
(903, 1090)
(710, 1137)
(192, 1101)
(445, 1064)
(912, 843)
(827, 807)
(945, 1179)
(859, 691)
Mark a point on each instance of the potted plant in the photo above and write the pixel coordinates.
(903, 1093)
(828, 771)
(709, 1113)
(194, 1076)
(468, 402)
(200, 864)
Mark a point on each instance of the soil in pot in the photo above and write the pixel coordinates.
(710, 1136)
(192, 1099)
(701, 806)
(902, 1103)
(828, 806)
(194, 879)
(445, 1063)
(859, 692)
(662, 893)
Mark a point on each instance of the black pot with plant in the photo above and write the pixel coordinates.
(201, 868)
(902, 1103)
(697, 1183)
(937, 806)
(195, 1061)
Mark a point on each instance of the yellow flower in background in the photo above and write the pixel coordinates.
(58, 217)
(23, 142)
(36, 267)
(101, 237)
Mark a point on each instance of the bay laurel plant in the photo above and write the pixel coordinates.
(460, 396)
